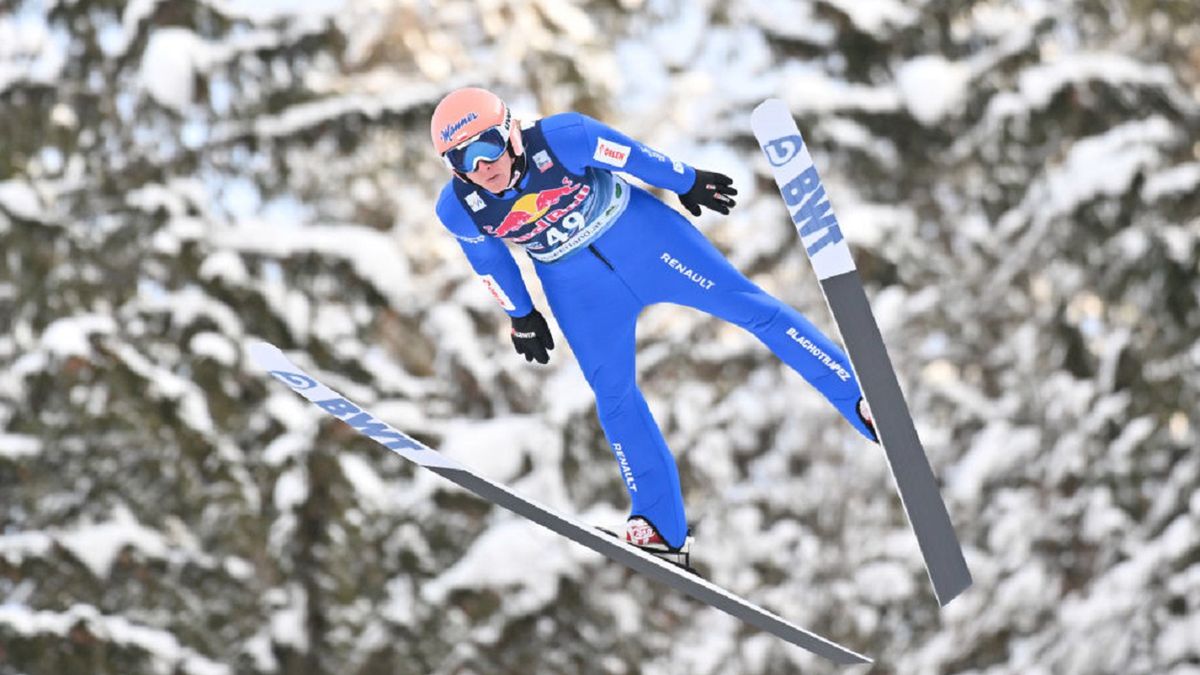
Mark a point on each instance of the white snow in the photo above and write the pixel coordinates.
(226, 266)
(809, 89)
(1037, 84)
(17, 546)
(876, 16)
(931, 86)
(285, 446)
(288, 619)
(18, 446)
(19, 198)
(163, 646)
(69, 336)
(169, 65)
(266, 11)
(515, 556)
(97, 545)
(998, 448)
(305, 115)
(374, 255)
(216, 346)
(162, 383)
(30, 49)
(1106, 163)
(291, 488)
(803, 24)
(369, 486)
(1178, 180)
(884, 581)
(495, 448)
(400, 602)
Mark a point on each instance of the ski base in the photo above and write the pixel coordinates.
(278, 365)
(827, 250)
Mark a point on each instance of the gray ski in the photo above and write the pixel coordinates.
(812, 213)
(278, 365)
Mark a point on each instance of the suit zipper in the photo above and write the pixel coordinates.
(599, 255)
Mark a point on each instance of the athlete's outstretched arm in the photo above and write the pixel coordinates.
(581, 141)
(489, 257)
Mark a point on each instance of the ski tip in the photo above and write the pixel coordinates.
(262, 352)
(769, 107)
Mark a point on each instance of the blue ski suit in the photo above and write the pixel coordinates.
(604, 250)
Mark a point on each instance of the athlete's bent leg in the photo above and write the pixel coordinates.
(689, 270)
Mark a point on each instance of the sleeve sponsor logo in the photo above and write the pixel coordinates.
(498, 292)
(543, 161)
(475, 202)
(471, 240)
(611, 153)
(653, 153)
(678, 166)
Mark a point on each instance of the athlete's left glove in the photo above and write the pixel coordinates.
(712, 190)
(531, 336)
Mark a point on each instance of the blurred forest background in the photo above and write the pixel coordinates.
(1020, 181)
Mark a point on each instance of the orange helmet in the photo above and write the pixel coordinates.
(471, 125)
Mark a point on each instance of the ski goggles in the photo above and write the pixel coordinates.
(488, 146)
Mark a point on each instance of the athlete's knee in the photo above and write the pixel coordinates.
(613, 393)
(759, 311)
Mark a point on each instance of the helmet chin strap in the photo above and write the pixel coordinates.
(518, 168)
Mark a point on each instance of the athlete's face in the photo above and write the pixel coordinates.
(493, 176)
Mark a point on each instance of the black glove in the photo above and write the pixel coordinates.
(531, 336)
(710, 189)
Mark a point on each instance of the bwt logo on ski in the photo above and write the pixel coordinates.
(532, 207)
(815, 213)
(781, 150)
(294, 380)
(351, 414)
(363, 423)
(448, 132)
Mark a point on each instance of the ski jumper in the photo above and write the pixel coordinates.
(604, 250)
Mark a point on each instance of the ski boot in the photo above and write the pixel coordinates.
(864, 414)
(641, 533)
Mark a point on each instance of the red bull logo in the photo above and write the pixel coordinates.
(530, 207)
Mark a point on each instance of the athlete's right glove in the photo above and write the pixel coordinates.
(712, 190)
(531, 336)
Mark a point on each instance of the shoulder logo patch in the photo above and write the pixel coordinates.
(543, 161)
(475, 202)
(610, 152)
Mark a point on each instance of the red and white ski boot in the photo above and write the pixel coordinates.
(642, 534)
(864, 413)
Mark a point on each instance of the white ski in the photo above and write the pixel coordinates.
(812, 213)
(273, 360)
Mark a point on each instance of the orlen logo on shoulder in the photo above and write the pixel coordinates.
(612, 153)
(448, 132)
